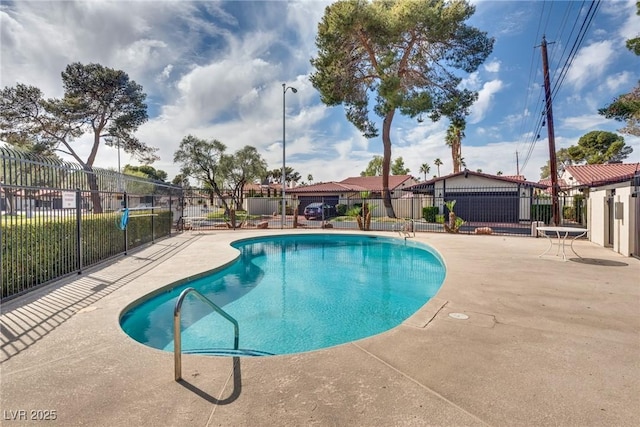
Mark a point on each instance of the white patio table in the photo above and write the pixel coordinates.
(561, 234)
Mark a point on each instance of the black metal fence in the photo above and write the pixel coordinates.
(480, 211)
(57, 218)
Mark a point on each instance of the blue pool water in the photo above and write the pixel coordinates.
(297, 293)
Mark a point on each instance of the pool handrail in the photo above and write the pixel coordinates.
(177, 333)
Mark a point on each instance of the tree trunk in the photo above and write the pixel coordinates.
(96, 200)
(386, 163)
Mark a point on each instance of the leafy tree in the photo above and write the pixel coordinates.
(424, 168)
(634, 44)
(562, 161)
(202, 160)
(499, 173)
(291, 175)
(245, 166)
(626, 107)
(599, 147)
(438, 163)
(96, 99)
(181, 180)
(374, 168)
(148, 172)
(407, 53)
(398, 168)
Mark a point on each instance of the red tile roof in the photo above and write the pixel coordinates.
(511, 179)
(374, 183)
(353, 184)
(592, 175)
(326, 187)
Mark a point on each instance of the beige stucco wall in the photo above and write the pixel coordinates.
(624, 229)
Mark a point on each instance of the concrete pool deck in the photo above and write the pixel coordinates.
(546, 343)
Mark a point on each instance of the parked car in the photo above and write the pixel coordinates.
(315, 211)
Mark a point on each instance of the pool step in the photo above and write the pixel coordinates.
(228, 352)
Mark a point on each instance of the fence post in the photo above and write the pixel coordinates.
(152, 220)
(79, 229)
(126, 233)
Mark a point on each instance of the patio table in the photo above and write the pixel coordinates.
(561, 234)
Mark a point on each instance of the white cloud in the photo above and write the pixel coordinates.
(584, 122)
(618, 81)
(590, 63)
(493, 66)
(484, 102)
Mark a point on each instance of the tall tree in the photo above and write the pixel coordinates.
(563, 159)
(626, 107)
(438, 163)
(290, 175)
(453, 139)
(96, 99)
(398, 167)
(599, 147)
(424, 169)
(406, 52)
(244, 166)
(202, 160)
(374, 168)
(149, 172)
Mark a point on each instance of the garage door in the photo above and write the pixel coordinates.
(486, 207)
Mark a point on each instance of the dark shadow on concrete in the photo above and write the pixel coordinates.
(598, 261)
(26, 320)
(235, 391)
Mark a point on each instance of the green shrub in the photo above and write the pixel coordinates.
(429, 213)
(440, 219)
(569, 212)
(541, 213)
(34, 253)
(341, 209)
(354, 211)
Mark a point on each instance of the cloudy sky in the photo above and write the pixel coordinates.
(215, 70)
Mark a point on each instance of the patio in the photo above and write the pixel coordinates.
(546, 343)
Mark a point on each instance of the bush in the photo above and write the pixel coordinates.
(429, 213)
(541, 213)
(354, 211)
(440, 219)
(36, 253)
(569, 212)
(341, 209)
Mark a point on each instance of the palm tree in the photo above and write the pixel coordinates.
(461, 163)
(438, 163)
(424, 168)
(455, 133)
(499, 173)
(310, 178)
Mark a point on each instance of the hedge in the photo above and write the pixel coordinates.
(34, 253)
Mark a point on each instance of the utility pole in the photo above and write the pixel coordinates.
(517, 165)
(553, 164)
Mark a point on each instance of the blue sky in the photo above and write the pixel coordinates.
(215, 70)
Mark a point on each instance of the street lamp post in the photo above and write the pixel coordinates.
(283, 177)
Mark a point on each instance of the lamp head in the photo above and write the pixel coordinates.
(294, 89)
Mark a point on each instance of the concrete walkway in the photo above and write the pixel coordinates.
(547, 343)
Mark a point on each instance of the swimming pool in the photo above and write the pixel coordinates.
(296, 293)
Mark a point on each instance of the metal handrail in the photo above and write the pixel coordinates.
(408, 228)
(177, 333)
